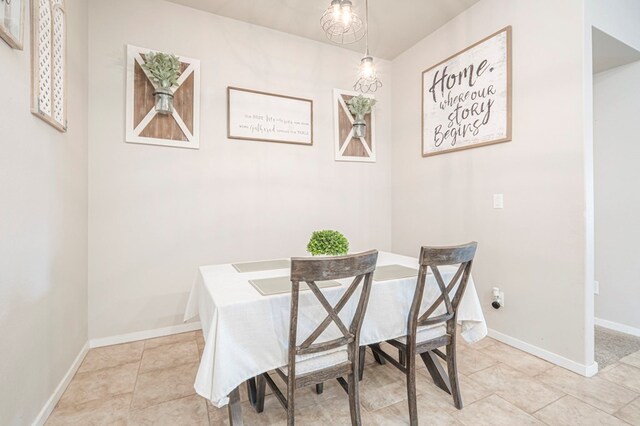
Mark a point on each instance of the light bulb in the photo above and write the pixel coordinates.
(367, 69)
(346, 13)
(336, 9)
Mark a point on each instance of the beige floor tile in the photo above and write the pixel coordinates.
(633, 359)
(569, 411)
(398, 414)
(595, 391)
(166, 356)
(200, 340)
(471, 390)
(630, 413)
(273, 414)
(471, 361)
(334, 412)
(188, 411)
(100, 384)
(481, 344)
(494, 411)
(522, 361)
(113, 411)
(623, 374)
(384, 385)
(112, 356)
(158, 386)
(516, 387)
(167, 340)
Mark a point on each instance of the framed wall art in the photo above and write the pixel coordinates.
(12, 22)
(49, 62)
(466, 99)
(151, 122)
(348, 145)
(269, 117)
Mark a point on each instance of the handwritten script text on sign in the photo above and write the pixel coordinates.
(267, 117)
(466, 98)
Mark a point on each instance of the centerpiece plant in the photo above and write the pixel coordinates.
(164, 71)
(360, 106)
(328, 243)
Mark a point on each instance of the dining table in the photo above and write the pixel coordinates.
(246, 328)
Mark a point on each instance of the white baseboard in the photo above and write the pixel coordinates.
(143, 335)
(615, 326)
(584, 370)
(43, 415)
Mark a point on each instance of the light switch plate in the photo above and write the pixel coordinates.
(596, 287)
(498, 201)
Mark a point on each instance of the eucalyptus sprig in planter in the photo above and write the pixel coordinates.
(164, 71)
(328, 243)
(360, 106)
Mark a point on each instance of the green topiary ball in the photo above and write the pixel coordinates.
(328, 242)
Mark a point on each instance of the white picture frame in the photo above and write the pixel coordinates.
(362, 150)
(466, 99)
(136, 127)
(253, 115)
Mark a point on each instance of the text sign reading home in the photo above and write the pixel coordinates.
(269, 117)
(466, 99)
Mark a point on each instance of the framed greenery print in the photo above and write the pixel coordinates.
(12, 22)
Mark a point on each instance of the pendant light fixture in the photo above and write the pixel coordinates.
(341, 24)
(367, 77)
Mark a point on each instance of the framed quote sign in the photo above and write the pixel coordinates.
(268, 117)
(466, 99)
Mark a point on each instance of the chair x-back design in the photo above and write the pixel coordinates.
(436, 327)
(312, 362)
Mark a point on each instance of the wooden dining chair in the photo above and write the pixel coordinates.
(436, 327)
(312, 362)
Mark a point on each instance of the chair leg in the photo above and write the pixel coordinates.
(261, 385)
(453, 374)
(319, 388)
(410, 359)
(377, 357)
(291, 389)
(354, 399)
(363, 352)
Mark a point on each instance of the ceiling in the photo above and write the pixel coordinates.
(609, 52)
(395, 25)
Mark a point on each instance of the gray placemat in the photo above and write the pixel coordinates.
(264, 265)
(393, 272)
(280, 285)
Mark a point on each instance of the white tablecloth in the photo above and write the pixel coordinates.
(247, 334)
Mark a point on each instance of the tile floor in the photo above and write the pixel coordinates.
(151, 383)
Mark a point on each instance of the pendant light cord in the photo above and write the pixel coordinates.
(366, 11)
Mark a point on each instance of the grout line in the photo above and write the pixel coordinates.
(564, 395)
(615, 414)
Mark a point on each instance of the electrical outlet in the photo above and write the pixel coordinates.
(497, 295)
(596, 287)
(498, 201)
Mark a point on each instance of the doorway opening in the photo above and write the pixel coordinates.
(616, 156)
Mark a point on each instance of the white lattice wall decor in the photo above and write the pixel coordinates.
(48, 62)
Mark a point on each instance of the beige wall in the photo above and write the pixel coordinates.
(43, 231)
(534, 249)
(617, 202)
(157, 213)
